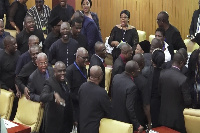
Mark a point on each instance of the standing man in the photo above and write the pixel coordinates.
(172, 35)
(94, 102)
(8, 61)
(123, 95)
(76, 25)
(23, 36)
(63, 10)
(26, 57)
(64, 49)
(59, 113)
(4, 6)
(54, 35)
(3, 33)
(76, 75)
(39, 76)
(124, 57)
(98, 59)
(40, 14)
(175, 95)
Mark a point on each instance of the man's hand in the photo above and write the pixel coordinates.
(114, 43)
(26, 93)
(140, 129)
(18, 94)
(10, 90)
(58, 99)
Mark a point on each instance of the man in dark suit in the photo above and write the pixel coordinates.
(98, 59)
(58, 105)
(120, 62)
(195, 23)
(22, 78)
(76, 75)
(142, 103)
(26, 57)
(39, 76)
(94, 102)
(175, 95)
(3, 33)
(172, 35)
(123, 96)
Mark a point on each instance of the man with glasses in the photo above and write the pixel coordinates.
(98, 59)
(76, 75)
(29, 29)
(40, 14)
(54, 35)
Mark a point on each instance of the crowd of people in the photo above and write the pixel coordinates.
(150, 83)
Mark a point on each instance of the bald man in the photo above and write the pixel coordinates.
(120, 62)
(98, 59)
(76, 75)
(94, 102)
(55, 95)
(123, 96)
(26, 57)
(175, 95)
(64, 49)
(39, 76)
(172, 35)
(3, 33)
(142, 104)
(8, 61)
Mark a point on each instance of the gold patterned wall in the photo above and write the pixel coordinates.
(143, 13)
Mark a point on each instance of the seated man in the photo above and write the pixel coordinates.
(98, 59)
(39, 76)
(54, 35)
(26, 57)
(3, 33)
(64, 49)
(8, 61)
(23, 36)
(124, 92)
(40, 14)
(94, 102)
(76, 25)
(59, 113)
(76, 75)
(120, 62)
(22, 78)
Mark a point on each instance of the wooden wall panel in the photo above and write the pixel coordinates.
(143, 13)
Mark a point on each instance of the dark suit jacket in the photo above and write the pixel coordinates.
(94, 105)
(175, 96)
(75, 80)
(36, 83)
(193, 25)
(124, 92)
(58, 119)
(147, 59)
(95, 60)
(118, 67)
(22, 78)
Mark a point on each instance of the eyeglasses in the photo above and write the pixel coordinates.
(84, 58)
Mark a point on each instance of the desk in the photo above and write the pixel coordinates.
(19, 129)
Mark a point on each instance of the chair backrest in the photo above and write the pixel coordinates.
(4, 20)
(12, 32)
(29, 113)
(151, 37)
(108, 73)
(113, 126)
(191, 46)
(142, 35)
(6, 103)
(192, 120)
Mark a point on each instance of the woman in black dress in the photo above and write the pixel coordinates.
(123, 33)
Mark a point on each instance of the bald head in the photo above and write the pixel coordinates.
(59, 71)
(59, 64)
(33, 40)
(81, 51)
(96, 74)
(98, 46)
(164, 16)
(77, 14)
(132, 68)
(8, 40)
(178, 58)
(183, 52)
(125, 48)
(139, 59)
(156, 43)
(41, 56)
